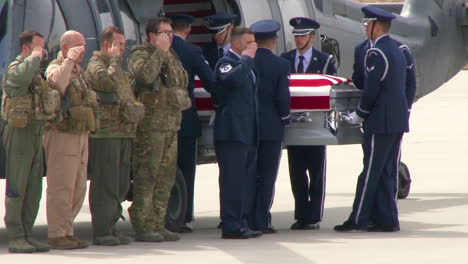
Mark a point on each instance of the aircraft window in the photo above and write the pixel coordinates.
(59, 27)
(254, 11)
(129, 26)
(290, 9)
(105, 14)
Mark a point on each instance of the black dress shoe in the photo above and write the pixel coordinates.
(378, 228)
(299, 225)
(269, 230)
(186, 228)
(349, 227)
(241, 234)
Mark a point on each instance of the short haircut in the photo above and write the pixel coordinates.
(153, 24)
(386, 25)
(180, 25)
(108, 33)
(27, 37)
(238, 32)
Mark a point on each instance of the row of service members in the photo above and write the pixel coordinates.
(59, 114)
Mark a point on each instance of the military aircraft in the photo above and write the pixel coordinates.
(435, 30)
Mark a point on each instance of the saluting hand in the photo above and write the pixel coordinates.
(163, 42)
(75, 53)
(250, 51)
(114, 50)
(37, 52)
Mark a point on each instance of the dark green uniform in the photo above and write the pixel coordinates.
(111, 145)
(161, 86)
(22, 108)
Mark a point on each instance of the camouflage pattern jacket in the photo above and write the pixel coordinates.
(113, 86)
(161, 85)
(24, 90)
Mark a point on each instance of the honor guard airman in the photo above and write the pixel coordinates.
(235, 133)
(274, 114)
(220, 26)
(194, 63)
(307, 164)
(384, 111)
(66, 143)
(28, 103)
(111, 145)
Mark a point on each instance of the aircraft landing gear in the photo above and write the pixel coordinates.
(404, 181)
(177, 206)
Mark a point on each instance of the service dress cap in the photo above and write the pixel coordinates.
(303, 25)
(265, 29)
(219, 22)
(372, 13)
(182, 18)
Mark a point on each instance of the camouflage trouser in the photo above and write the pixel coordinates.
(156, 164)
(24, 171)
(109, 167)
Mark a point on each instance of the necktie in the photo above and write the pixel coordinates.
(300, 66)
(221, 52)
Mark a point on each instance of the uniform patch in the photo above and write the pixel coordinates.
(369, 69)
(225, 68)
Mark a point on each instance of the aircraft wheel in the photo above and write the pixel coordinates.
(177, 206)
(404, 181)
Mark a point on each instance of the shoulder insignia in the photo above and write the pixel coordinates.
(225, 68)
(315, 58)
(369, 69)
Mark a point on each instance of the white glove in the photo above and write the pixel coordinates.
(353, 118)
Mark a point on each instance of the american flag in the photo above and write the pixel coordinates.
(309, 92)
(199, 9)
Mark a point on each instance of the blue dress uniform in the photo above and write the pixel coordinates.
(274, 114)
(235, 135)
(195, 64)
(307, 164)
(384, 108)
(217, 24)
(358, 66)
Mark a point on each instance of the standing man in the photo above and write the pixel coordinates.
(221, 26)
(307, 164)
(23, 92)
(384, 109)
(235, 133)
(161, 84)
(66, 143)
(194, 63)
(111, 146)
(274, 106)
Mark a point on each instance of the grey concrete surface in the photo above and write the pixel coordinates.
(434, 218)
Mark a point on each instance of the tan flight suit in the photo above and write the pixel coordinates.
(66, 146)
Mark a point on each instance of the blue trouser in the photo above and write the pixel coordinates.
(307, 172)
(237, 162)
(187, 163)
(268, 158)
(377, 186)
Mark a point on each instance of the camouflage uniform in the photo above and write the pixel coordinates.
(161, 83)
(66, 146)
(23, 109)
(111, 145)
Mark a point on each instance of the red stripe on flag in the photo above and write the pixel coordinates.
(204, 104)
(310, 102)
(198, 84)
(310, 83)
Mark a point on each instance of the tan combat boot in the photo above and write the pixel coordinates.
(124, 240)
(79, 243)
(39, 246)
(106, 241)
(149, 237)
(20, 245)
(61, 243)
(168, 235)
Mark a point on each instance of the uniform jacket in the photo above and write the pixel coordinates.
(146, 65)
(273, 94)
(211, 53)
(106, 76)
(383, 104)
(236, 115)
(358, 66)
(194, 63)
(320, 62)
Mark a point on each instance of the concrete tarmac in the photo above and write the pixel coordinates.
(434, 218)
